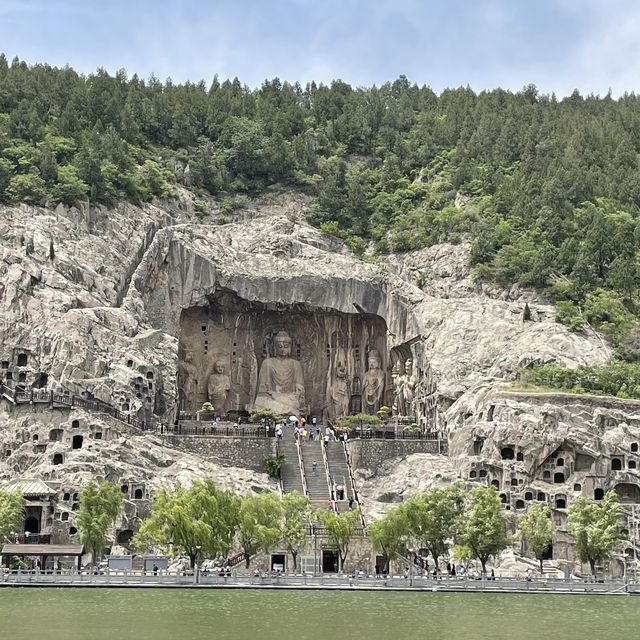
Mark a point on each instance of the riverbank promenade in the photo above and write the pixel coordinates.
(141, 579)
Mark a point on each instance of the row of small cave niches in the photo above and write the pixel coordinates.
(480, 474)
(557, 501)
(141, 387)
(57, 435)
(131, 491)
(15, 371)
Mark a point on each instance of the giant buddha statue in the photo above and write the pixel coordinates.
(280, 381)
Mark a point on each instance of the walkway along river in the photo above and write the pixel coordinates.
(140, 579)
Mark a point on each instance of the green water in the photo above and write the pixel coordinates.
(120, 614)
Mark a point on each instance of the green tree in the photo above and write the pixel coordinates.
(269, 415)
(484, 529)
(200, 521)
(259, 525)
(27, 187)
(596, 526)
(536, 528)
(296, 513)
(358, 420)
(390, 535)
(100, 505)
(12, 513)
(434, 518)
(274, 464)
(340, 529)
(69, 188)
(526, 314)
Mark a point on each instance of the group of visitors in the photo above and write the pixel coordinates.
(221, 571)
(304, 433)
(332, 504)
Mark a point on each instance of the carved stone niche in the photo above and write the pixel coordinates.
(233, 337)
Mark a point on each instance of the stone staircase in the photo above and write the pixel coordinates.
(339, 473)
(290, 470)
(317, 486)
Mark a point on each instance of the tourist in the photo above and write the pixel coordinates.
(310, 434)
(155, 569)
(493, 575)
(351, 503)
(314, 467)
(295, 433)
(318, 433)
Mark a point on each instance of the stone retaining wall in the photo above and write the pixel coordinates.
(248, 453)
(370, 454)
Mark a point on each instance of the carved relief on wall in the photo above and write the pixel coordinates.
(294, 361)
(373, 384)
(338, 393)
(187, 381)
(218, 386)
(281, 382)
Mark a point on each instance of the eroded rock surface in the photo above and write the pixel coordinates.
(93, 301)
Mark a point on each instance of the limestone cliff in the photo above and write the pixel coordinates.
(94, 301)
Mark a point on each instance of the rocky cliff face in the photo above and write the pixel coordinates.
(100, 315)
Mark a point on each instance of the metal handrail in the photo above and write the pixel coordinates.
(301, 467)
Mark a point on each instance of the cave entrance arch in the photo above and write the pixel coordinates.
(329, 561)
(32, 525)
(124, 537)
(628, 492)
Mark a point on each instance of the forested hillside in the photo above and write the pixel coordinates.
(550, 187)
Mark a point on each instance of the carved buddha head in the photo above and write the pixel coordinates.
(341, 370)
(374, 360)
(219, 366)
(282, 342)
(408, 366)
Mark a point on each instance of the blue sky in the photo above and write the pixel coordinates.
(559, 45)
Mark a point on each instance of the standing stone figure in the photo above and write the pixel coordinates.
(187, 382)
(338, 393)
(372, 384)
(280, 381)
(397, 375)
(409, 388)
(218, 387)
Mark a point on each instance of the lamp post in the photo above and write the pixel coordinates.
(197, 567)
(315, 549)
(411, 562)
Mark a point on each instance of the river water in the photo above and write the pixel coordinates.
(183, 614)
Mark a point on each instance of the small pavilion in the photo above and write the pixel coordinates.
(43, 552)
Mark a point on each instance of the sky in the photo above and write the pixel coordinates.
(558, 45)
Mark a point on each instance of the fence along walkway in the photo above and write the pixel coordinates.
(65, 400)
